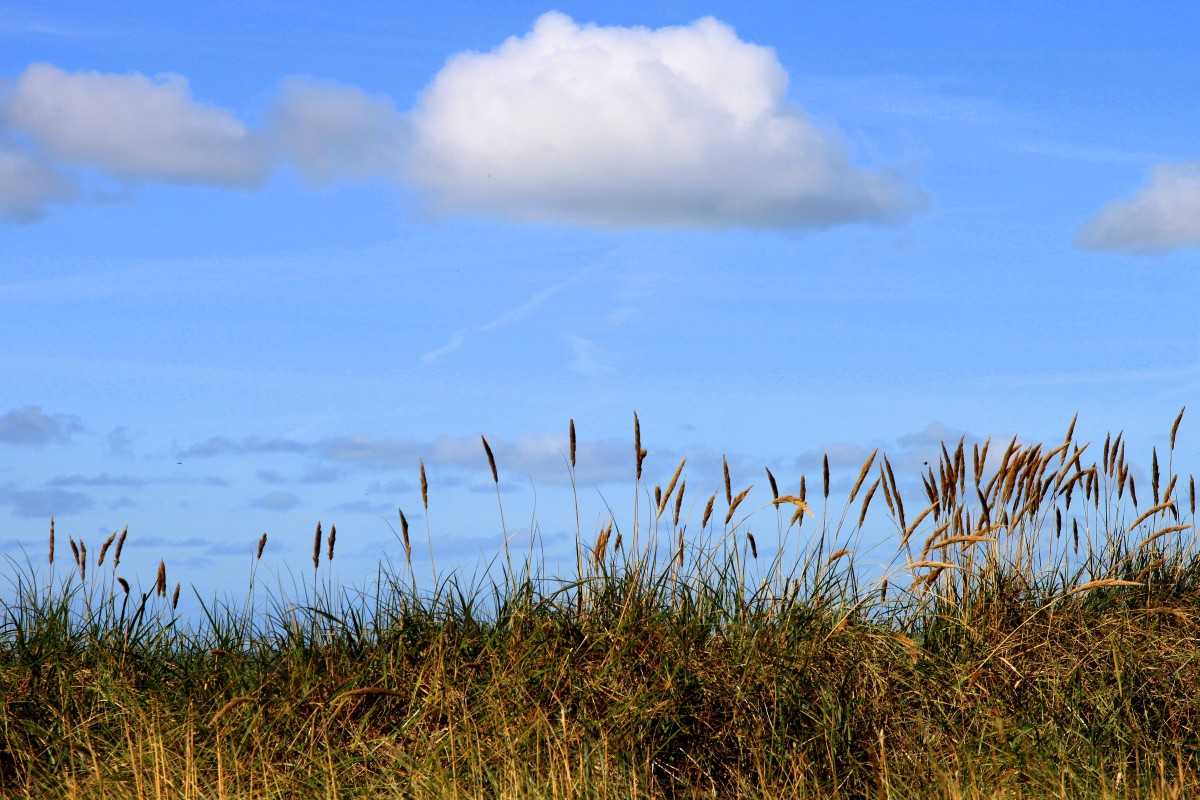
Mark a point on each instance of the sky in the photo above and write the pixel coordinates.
(258, 261)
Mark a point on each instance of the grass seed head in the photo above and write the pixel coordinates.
(160, 585)
(262, 542)
(1175, 427)
(737, 501)
(74, 549)
(728, 486)
(332, 540)
(52, 540)
(708, 510)
(424, 488)
(120, 547)
(774, 486)
(753, 545)
(639, 452)
(317, 546)
(825, 474)
(175, 597)
(572, 444)
(491, 460)
(404, 537)
(104, 548)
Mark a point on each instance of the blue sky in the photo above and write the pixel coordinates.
(257, 260)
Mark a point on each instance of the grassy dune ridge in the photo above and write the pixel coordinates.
(1033, 635)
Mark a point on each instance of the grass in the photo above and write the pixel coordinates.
(1034, 635)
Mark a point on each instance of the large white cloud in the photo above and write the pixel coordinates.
(1164, 216)
(134, 127)
(682, 126)
(27, 185)
(332, 131)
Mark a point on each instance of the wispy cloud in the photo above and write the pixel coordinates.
(44, 503)
(586, 356)
(541, 456)
(119, 443)
(455, 342)
(507, 318)
(276, 501)
(101, 480)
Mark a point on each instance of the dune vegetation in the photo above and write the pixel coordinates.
(1031, 633)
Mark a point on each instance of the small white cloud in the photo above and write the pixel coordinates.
(27, 185)
(135, 127)
(1164, 216)
(631, 127)
(331, 131)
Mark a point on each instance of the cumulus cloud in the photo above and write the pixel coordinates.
(629, 127)
(134, 127)
(332, 131)
(1164, 216)
(32, 427)
(28, 185)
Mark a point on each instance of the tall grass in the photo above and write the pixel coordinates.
(1032, 635)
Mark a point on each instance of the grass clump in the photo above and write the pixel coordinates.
(1034, 635)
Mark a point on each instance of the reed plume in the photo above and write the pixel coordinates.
(404, 538)
(316, 558)
(120, 547)
(491, 460)
(104, 548)
(572, 425)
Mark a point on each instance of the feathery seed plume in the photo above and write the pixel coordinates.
(120, 546)
(404, 537)
(491, 459)
(104, 548)
(317, 546)
(708, 510)
(1175, 427)
(424, 488)
(774, 486)
(728, 488)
